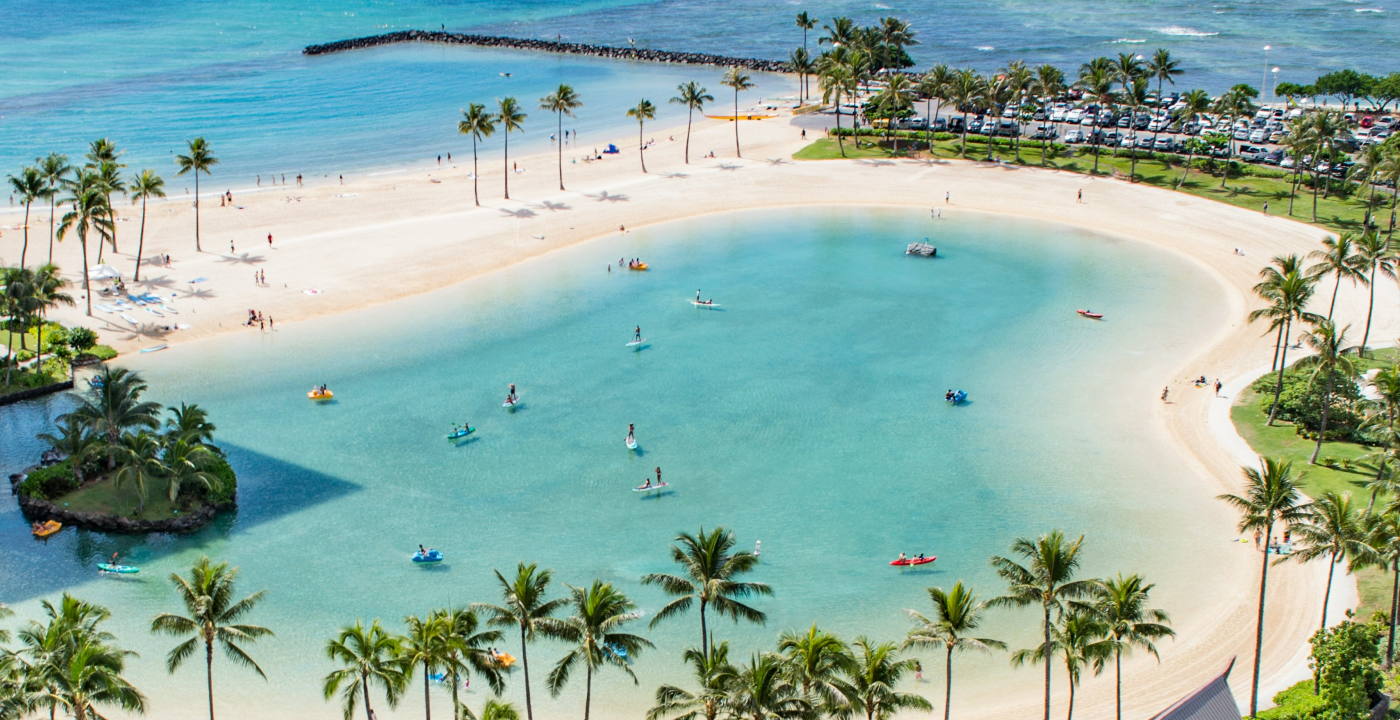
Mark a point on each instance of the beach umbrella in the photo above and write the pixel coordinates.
(104, 272)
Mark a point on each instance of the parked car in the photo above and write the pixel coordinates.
(1367, 121)
(1074, 115)
(975, 125)
(955, 125)
(1058, 114)
(1287, 161)
(1144, 142)
(1125, 142)
(1259, 135)
(1125, 121)
(1252, 153)
(1277, 137)
(1241, 134)
(1074, 137)
(1044, 132)
(1275, 157)
(1157, 125)
(1164, 144)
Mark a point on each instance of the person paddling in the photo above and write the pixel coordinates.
(631, 439)
(637, 334)
(511, 397)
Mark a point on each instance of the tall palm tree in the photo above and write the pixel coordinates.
(1299, 142)
(75, 442)
(595, 630)
(1333, 529)
(1044, 576)
(1121, 604)
(1339, 257)
(1374, 253)
(1290, 300)
(956, 614)
(714, 676)
(115, 405)
(840, 32)
(835, 81)
(144, 187)
(693, 97)
(208, 596)
(894, 100)
(1267, 289)
(189, 423)
(643, 112)
(805, 22)
(815, 662)
(934, 86)
(493, 710)
(1367, 171)
(800, 62)
(108, 176)
(90, 676)
(1271, 496)
(874, 674)
(1162, 67)
(29, 185)
(1080, 638)
(1195, 104)
(710, 568)
(54, 168)
(470, 650)
(563, 101)
(1325, 127)
(1096, 79)
(762, 691)
(479, 124)
(739, 80)
(138, 462)
(1383, 537)
(89, 212)
(428, 642)
(15, 305)
(524, 606)
(966, 91)
(1135, 97)
(1331, 359)
(1018, 80)
(368, 656)
(509, 116)
(1048, 84)
(199, 159)
(187, 462)
(999, 94)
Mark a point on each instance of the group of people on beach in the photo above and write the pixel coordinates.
(255, 316)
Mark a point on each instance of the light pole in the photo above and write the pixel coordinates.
(1274, 94)
(1266, 71)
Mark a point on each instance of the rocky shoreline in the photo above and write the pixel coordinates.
(41, 510)
(602, 51)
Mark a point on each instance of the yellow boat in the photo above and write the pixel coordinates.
(314, 395)
(638, 266)
(504, 660)
(47, 528)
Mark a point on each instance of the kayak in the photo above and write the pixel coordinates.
(914, 561)
(649, 488)
(327, 395)
(631, 443)
(48, 528)
(697, 303)
(638, 266)
(155, 348)
(503, 660)
(635, 343)
(433, 556)
(461, 433)
(1091, 315)
(118, 569)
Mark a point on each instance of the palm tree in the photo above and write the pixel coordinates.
(934, 86)
(873, 675)
(1080, 639)
(713, 674)
(1330, 359)
(208, 596)
(1339, 258)
(1135, 96)
(509, 116)
(1121, 604)
(739, 80)
(800, 62)
(1271, 496)
(479, 124)
(709, 570)
(1383, 537)
(1374, 253)
(1369, 167)
(89, 212)
(91, 675)
(561, 102)
(762, 691)
(600, 611)
(29, 186)
(894, 100)
(1290, 302)
(815, 662)
(53, 168)
(187, 462)
(523, 606)
(1195, 103)
(966, 91)
(143, 187)
(368, 656)
(138, 461)
(1333, 529)
(834, 82)
(956, 614)
(805, 22)
(427, 643)
(115, 406)
(1300, 142)
(1161, 67)
(1273, 276)
(1096, 79)
(108, 176)
(643, 112)
(1324, 127)
(493, 710)
(199, 160)
(47, 292)
(693, 97)
(75, 443)
(15, 304)
(1045, 576)
(1048, 84)
(190, 423)
(469, 648)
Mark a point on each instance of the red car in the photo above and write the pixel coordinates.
(1367, 121)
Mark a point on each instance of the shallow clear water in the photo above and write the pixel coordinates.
(806, 412)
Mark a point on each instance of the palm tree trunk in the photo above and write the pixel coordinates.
(559, 136)
(87, 284)
(1394, 602)
(1259, 625)
(689, 116)
(1282, 363)
(1326, 401)
(962, 151)
(51, 213)
(476, 173)
(704, 643)
(1331, 566)
(588, 689)
(736, 138)
(9, 349)
(1370, 306)
(1335, 289)
(525, 665)
(1047, 663)
(1190, 153)
(25, 248)
(39, 342)
(427, 699)
(1317, 180)
(1277, 343)
(364, 685)
(1070, 714)
(841, 143)
(209, 674)
(948, 687)
(506, 162)
(1118, 682)
(641, 148)
(1297, 169)
(196, 218)
(141, 242)
(1096, 152)
(456, 705)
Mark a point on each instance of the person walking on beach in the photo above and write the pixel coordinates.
(1217, 387)
(298, 179)
(230, 247)
(1080, 198)
(269, 241)
(1165, 390)
(1266, 207)
(948, 197)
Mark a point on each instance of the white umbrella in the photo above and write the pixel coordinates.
(104, 272)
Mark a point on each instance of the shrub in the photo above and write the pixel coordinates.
(50, 482)
(1346, 659)
(1301, 403)
(1296, 703)
(101, 352)
(227, 489)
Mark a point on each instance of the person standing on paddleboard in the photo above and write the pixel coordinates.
(630, 438)
(637, 335)
(510, 398)
(658, 476)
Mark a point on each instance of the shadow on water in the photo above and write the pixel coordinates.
(268, 488)
(656, 495)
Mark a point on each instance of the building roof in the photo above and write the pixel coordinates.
(1212, 701)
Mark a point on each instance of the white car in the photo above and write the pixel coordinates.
(1251, 153)
(1241, 134)
(1158, 125)
(1074, 136)
(1259, 135)
(1074, 116)
(1057, 115)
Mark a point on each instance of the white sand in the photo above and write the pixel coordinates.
(380, 238)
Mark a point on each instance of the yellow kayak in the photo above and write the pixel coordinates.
(47, 528)
(638, 266)
(327, 395)
(504, 660)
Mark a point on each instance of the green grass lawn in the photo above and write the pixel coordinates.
(1335, 213)
(104, 497)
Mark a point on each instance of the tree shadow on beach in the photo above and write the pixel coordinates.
(778, 161)
(672, 175)
(555, 206)
(200, 293)
(875, 163)
(606, 196)
(164, 281)
(242, 259)
(520, 213)
(729, 166)
(926, 162)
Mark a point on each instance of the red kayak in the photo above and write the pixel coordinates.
(914, 561)
(1087, 314)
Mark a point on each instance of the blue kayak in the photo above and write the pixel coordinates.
(433, 556)
(118, 569)
(461, 433)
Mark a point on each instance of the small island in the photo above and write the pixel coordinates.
(114, 466)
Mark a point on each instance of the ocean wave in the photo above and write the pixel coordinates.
(1126, 41)
(1184, 31)
(1369, 10)
(984, 48)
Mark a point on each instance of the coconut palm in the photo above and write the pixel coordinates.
(428, 642)
(999, 94)
(108, 176)
(714, 676)
(114, 406)
(815, 662)
(1331, 359)
(896, 99)
(762, 691)
(88, 213)
(1120, 603)
(144, 187)
(200, 159)
(470, 650)
(1194, 104)
(1290, 298)
(1048, 84)
(368, 656)
(1271, 497)
(16, 305)
(29, 185)
(966, 91)
(1299, 142)
(800, 62)
(1332, 529)
(509, 116)
(75, 442)
(594, 629)
(493, 710)
(739, 80)
(1044, 576)
(1374, 253)
(53, 168)
(1135, 97)
(1162, 67)
(563, 101)
(1368, 169)
(187, 462)
(710, 568)
(643, 112)
(933, 85)
(46, 292)
(1383, 537)
(840, 32)
(1325, 127)
(138, 462)
(1272, 278)
(189, 422)
(873, 675)
(91, 676)
(1340, 258)
(208, 596)
(524, 606)
(805, 22)
(1096, 79)
(1080, 638)
(956, 614)
(836, 81)
(479, 124)
(693, 97)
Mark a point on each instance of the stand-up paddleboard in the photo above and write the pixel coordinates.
(649, 488)
(697, 303)
(631, 443)
(511, 403)
(635, 343)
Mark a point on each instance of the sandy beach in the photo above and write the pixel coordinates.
(337, 248)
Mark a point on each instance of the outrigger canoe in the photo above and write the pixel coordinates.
(1090, 315)
(914, 561)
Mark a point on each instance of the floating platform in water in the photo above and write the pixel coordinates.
(924, 249)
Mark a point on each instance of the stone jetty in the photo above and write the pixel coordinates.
(602, 51)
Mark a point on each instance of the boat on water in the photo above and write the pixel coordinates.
(155, 348)
(320, 394)
(118, 569)
(460, 432)
(430, 557)
(914, 561)
(46, 529)
(1090, 314)
(502, 660)
(637, 266)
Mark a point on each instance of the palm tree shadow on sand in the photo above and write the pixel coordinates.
(875, 163)
(555, 206)
(926, 162)
(672, 175)
(242, 259)
(520, 213)
(729, 166)
(775, 162)
(606, 196)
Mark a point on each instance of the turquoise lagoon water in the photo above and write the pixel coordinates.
(805, 412)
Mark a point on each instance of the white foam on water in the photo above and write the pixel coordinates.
(1127, 41)
(985, 48)
(1184, 31)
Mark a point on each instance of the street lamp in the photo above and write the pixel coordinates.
(1266, 69)
(1274, 95)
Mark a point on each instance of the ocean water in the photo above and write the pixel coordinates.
(805, 411)
(153, 73)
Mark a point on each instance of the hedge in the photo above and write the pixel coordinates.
(50, 482)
